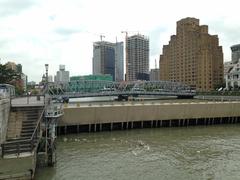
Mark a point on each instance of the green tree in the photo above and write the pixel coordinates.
(8, 75)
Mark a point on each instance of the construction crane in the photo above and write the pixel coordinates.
(126, 54)
(101, 36)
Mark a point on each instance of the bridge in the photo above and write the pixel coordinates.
(122, 90)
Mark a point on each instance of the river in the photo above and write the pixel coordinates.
(201, 152)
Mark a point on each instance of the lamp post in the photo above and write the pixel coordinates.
(46, 67)
(46, 104)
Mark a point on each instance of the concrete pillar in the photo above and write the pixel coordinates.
(132, 125)
(160, 123)
(100, 127)
(121, 125)
(156, 123)
(187, 121)
(142, 124)
(58, 130)
(111, 126)
(151, 124)
(89, 128)
(170, 123)
(220, 120)
(183, 122)
(77, 128)
(95, 127)
(65, 130)
(127, 125)
(196, 122)
(179, 122)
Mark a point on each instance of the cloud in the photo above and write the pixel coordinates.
(14, 7)
(67, 31)
(57, 32)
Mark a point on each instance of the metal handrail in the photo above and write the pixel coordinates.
(38, 123)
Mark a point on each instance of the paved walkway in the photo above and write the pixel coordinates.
(27, 101)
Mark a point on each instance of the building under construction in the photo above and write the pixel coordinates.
(108, 59)
(137, 58)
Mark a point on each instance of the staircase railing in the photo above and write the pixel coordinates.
(24, 145)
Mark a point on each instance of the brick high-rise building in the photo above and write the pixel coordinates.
(193, 57)
(137, 58)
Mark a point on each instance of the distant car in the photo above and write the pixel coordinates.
(108, 90)
(159, 90)
(63, 99)
(138, 89)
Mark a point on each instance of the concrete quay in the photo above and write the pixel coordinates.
(130, 115)
(20, 161)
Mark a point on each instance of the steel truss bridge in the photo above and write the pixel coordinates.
(122, 90)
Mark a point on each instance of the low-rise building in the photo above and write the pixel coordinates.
(154, 75)
(232, 75)
(62, 76)
(89, 83)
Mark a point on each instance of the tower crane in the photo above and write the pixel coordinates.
(126, 54)
(101, 36)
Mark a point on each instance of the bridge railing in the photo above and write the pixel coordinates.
(19, 146)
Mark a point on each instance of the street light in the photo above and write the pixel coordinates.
(46, 67)
(46, 104)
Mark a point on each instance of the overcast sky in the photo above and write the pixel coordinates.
(36, 32)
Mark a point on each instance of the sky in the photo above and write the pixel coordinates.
(38, 32)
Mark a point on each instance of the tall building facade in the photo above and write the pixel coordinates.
(137, 58)
(193, 57)
(62, 76)
(108, 59)
(235, 53)
(154, 74)
(119, 64)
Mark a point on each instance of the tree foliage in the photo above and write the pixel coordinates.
(9, 76)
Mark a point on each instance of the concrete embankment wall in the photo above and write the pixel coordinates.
(132, 116)
(4, 114)
(148, 112)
